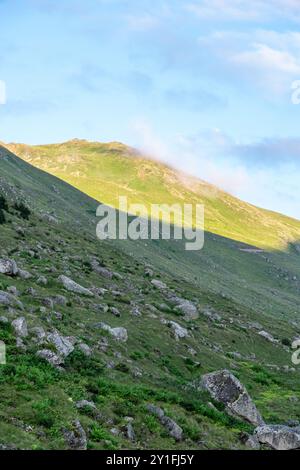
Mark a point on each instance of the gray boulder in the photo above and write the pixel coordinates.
(9, 300)
(72, 286)
(179, 332)
(8, 267)
(20, 327)
(170, 425)
(62, 344)
(119, 333)
(279, 437)
(50, 357)
(76, 437)
(225, 388)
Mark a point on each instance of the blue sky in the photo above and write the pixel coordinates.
(202, 84)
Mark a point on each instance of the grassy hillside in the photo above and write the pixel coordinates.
(233, 290)
(106, 171)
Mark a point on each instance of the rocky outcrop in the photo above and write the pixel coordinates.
(9, 300)
(63, 345)
(72, 286)
(170, 425)
(279, 437)
(20, 327)
(8, 267)
(119, 333)
(76, 437)
(225, 388)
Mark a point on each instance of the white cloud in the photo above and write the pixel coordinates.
(245, 10)
(268, 59)
(215, 157)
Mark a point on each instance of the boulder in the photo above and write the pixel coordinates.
(72, 286)
(279, 437)
(178, 331)
(20, 327)
(50, 357)
(159, 284)
(225, 388)
(22, 274)
(9, 300)
(8, 267)
(268, 336)
(119, 333)
(170, 425)
(76, 437)
(62, 344)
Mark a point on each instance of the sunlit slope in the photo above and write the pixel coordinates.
(107, 171)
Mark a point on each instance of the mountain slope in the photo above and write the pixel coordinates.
(236, 293)
(106, 171)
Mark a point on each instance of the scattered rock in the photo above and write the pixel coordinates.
(8, 267)
(159, 284)
(76, 437)
(225, 388)
(72, 286)
(279, 437)
(20, 327)
(173, 429)
(119, 333)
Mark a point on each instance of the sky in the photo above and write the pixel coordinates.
(208, 86)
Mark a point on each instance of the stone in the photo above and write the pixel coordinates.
(170, 425)
(119, 333)
(159, 284)
(63, 345)
(85, 404)
(9, 300)
(279, 437)
(20, 327)
(72, 286)
(50, 357)
(76, 437)
(42, 280)
(8, 267)
(267, 336)
(178, 331)
(225, 388)
(85, 349)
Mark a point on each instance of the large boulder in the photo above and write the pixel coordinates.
(50, 357)
(186, 307)
(76, 437)
(8, 267)
(119, 333)
(179, 331)
(225, 388)
(62, 344)
(9, 300)
(173, 429)
(72, 286)
(279, 437)
(20, 327)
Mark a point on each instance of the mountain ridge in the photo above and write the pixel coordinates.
(103, 171)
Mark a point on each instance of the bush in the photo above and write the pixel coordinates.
(3, 203)
(23, 210)
(2, 217)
